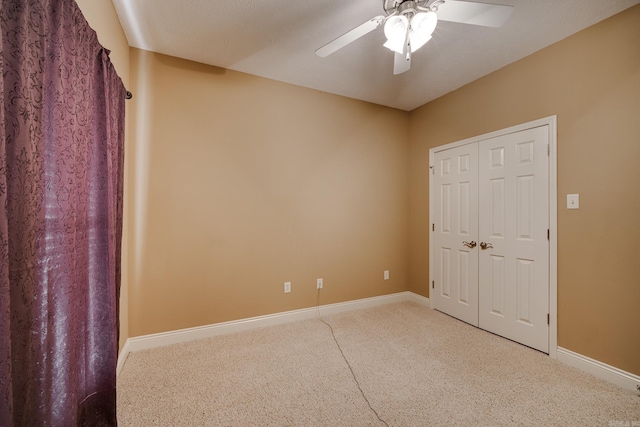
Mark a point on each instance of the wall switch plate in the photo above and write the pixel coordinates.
(386, 275)
(573, 201)
(319, 284)
(287, 287)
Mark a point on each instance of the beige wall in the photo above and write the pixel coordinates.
(243, 183)
(235, 184)
(591, 81)
(102, 17)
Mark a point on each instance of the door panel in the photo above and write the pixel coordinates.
(496, 291)
(513, 220)
(456, 221)
(497, 208)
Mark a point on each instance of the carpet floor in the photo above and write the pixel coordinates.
(408, 366)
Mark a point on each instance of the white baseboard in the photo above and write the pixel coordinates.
(598, 369)
(183, 335)
(122, 357)
(419, 299)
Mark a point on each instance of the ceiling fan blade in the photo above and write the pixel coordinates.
(466, 12)
(350, 36)
(401, 63)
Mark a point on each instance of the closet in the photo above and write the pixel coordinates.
(490, 233)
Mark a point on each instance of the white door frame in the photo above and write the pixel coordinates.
(551, 122)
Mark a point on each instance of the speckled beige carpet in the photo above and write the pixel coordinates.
(416, 367)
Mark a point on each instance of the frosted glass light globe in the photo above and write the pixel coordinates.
(395, 29)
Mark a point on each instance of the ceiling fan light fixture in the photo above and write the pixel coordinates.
(423, 24)
(395, 29)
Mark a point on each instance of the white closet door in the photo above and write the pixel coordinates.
(514, 222)
(455, 290)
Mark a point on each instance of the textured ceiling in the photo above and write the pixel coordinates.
(276, 39)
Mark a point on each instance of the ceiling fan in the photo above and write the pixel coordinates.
(409, 24)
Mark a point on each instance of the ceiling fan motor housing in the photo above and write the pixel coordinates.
(404, 7)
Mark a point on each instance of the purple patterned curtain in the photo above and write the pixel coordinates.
(61, 173)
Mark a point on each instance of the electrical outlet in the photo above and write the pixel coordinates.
(318, 283)
(386, 275)
(287, 287)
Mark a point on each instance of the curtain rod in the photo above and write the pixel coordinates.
(128, 95)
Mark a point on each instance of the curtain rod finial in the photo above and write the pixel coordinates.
(129, 95)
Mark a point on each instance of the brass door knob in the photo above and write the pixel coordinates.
(471, 244)
(484, 245)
